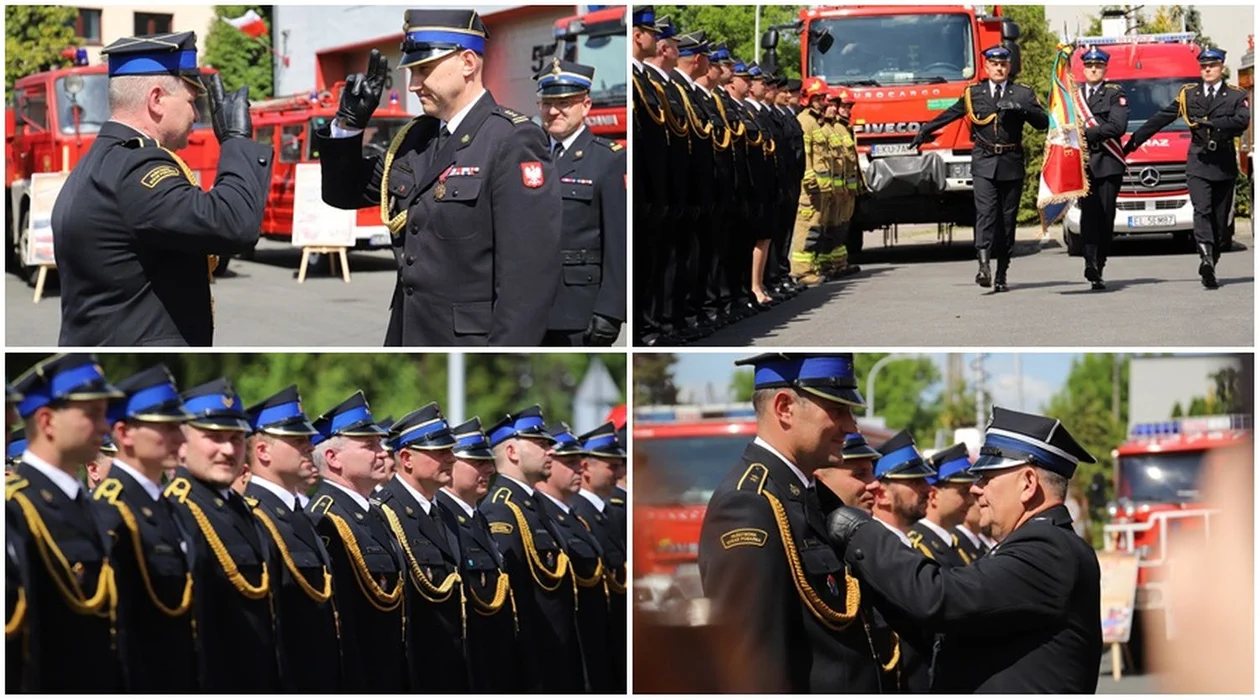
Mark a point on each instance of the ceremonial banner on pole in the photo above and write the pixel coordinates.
(1063, 177)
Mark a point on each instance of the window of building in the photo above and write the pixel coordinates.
(87, 26)
(291, 141)
(151, 23)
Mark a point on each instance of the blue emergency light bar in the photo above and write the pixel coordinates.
(689, 413)
(1190, 426)
(1166, 38)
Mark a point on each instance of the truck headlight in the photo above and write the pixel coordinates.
(959, 171)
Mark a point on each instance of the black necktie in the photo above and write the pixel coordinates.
(443, 135)
(811, 500)
(556, 149)
(997, 91)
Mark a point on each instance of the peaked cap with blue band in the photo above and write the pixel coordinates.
(952, 465)
(528, 424)
(281, 414)
(1211, 55)
(385, 424)
(718, 53)
(693, 43)
(997, 53)
(107, 445)
(900, 459)
(665, 28)
(755, 72)
(432, 34)
(17, 445)
(1013, 439)
(423, 429)
(150, 396)
(564, 78)
(470, 441)
(828, 376)
(1095, 55)
(215, 405)
(566, 442)
(351, 418)
(856, 447)
(66, 377)
(603, 442)
(11, 395)
(155, 54)
(644, 17)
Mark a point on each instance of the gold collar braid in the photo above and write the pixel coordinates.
(63, 574)
(179, 488)
(307, 588)
(537, 568)
(423, 585)
(831, 618)
(395, 223)
(109, 491)
(382, 601)
(596, 578)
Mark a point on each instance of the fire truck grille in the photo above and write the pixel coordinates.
(1160, 177)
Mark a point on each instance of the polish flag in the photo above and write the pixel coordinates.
(249, 23)
(1063, 178)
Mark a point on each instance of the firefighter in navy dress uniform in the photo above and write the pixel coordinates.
(64, 617)
(279, 456)
(1023, 619)
(490, 610)
(467, 191)
(1110, 107)
(430, 550)
(1216, 113)
(590, 305)
(232, 585)
(366, 568)
(152, 572)
(796, 618)
(996, 110)
(132, 226)
(947, 504)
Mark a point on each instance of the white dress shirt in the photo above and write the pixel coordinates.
(528, 489)
(64, 481)
(900, 535)
(154, 491)
(289, 498)
(595, 500)
(556, 501)
(363, 502)
(807, 483)
(467, 508)
(425, 504)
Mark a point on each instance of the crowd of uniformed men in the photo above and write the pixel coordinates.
(748, 193)
(230, 549)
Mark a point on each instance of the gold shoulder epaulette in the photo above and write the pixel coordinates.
(618, 501)
(503, 495)
(179, 488)
(321, 505)
(14, 483)
(754, 478)
(251, 501)
(108, 490)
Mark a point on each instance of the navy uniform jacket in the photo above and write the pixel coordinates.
(699, 173)
(492, 652)
(551, 654)
(651, 144)
(1023, 619)
(132, 233)
(236, 629)
(310, 647)
(434, 631)
(1220, 120)
(373, 652)
(592, 183)
(587, 559)
(741, 152)
(678, 148)
(723, 152)
(617, 513)
(65, 651)
(614, 550)
(972, 551)
(151, 633)
(16, 583)
(1005, 129)
(930, 545)
(785, 604)
(767, 191)
(1110, 108)
(480, 264)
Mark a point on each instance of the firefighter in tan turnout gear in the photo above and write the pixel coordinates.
(816, 185)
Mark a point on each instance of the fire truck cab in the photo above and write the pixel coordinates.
(288, 125)
(598, 39)
(50, 123)
(1157, 494)
(1154, 196)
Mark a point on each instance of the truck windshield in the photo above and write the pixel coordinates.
(896, 50)
(683, 471)
(1149, 95)
(1170, 477)
(380, 132)
(604, 47)
(93, 105)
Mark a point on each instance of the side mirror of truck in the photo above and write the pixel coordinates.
(1010, 30)
(821, 38)
(1016, 59)
(1097, 492)
(769, 39)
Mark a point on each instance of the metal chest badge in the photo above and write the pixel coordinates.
(439, 192)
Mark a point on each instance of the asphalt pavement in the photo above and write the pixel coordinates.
(922, 292)
(258, 302)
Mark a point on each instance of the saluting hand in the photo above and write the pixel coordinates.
(362, 93)
(229, 114)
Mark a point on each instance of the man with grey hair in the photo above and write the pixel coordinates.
(133, 229)
(1025, 617)
(367, 574)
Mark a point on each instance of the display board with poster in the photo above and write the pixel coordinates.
(1118, 587)
(318, 227)
(39, 249)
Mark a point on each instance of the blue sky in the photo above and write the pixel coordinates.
(704, 377)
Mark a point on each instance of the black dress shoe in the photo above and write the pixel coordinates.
(1097, 285)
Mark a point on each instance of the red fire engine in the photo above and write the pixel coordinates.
(50, 123)
(905, 64)
(598, 39)
(1154, 197)
(288, 124)
(1157, 493)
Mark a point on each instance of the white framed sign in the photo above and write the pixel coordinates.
(316, 224)
(44, 190)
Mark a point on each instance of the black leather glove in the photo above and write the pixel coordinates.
(842, 523)
(363, 93)
(917, 142)
(601, 331)
(229, 114)
(1007, 104)
(1128, 147)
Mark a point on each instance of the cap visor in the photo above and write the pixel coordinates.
(562, 91)
(300, 427)
(93, 391)
(440, 441)
(911, 470)
(992, 462)
(848, 397)
(474, 453)
(569, 449)
(613, 452)
(159, 414)
(221, 423)
(864, 452)
(417, 58)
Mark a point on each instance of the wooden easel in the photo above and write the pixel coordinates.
(40, 279)
(339, 251)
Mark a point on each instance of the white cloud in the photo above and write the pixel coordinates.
(1005, 391)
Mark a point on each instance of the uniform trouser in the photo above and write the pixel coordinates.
(1098, 214)
(663, 269)
(563, 339)
(719, 286)
(703, 298)
(1211, 200)
(807, 232)
(734, 271)
(997, 202)
(778, 267)
(646, 281)
(750, 233)
(686, 244)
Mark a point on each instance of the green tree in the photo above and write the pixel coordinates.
(654, 379)
(736, 25)
(1037, 50)
(958, 407)
(34, 37)
(742, 385)
(240, 59)
(900, 389)
(1226, 395)
(1177, 410)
